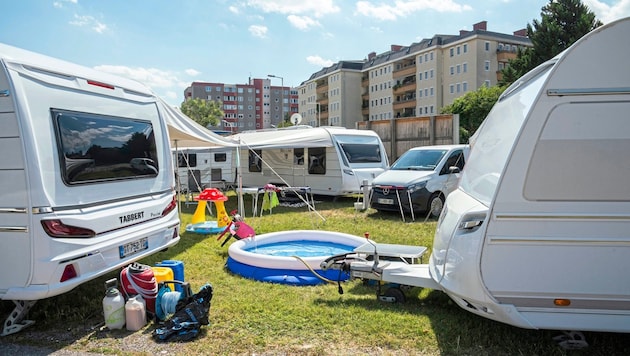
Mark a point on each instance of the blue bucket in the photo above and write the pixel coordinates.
(178, 271)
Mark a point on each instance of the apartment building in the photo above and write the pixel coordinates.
(251, 106)
(410, 81)
(332, 96)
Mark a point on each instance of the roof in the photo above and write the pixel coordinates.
(297, 136)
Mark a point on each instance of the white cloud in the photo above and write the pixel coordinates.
(151, 77)
(258, 31)
(608, 13)
(192, 72)
(403, 8)
(234, 10)
(302, 22)
(319, 61)
(89, 21)
(317, 8)
(59, 4)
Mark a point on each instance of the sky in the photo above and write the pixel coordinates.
(168, 44)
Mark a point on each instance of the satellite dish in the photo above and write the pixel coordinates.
(296, 119)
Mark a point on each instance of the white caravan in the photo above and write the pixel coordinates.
(332, 161)
(537, 234)
(199, 168)
(87, 177)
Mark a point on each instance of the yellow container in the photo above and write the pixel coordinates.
(164, 274)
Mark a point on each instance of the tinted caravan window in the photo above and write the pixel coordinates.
(317, 160)
(185, 160)
(96, 148)
(360, 149)
(254, 161)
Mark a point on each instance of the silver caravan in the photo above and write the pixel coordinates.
(537, 234)
(87, 177)
(329, 160)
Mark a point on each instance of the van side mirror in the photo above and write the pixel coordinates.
(453, 169)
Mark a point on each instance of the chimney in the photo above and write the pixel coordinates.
(462, 32)
(371, 55)
(480, 26)
(521, 33)
(395, 48)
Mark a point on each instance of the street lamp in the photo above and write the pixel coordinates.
(281, 95)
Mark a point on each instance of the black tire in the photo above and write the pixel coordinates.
(435, 205)
(396, 294)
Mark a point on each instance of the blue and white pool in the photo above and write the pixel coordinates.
(273, 257)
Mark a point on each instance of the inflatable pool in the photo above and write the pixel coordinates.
(273, 257)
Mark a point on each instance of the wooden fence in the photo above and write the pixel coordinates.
(399, 135)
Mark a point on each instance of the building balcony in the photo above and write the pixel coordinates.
(405, 71)
(504, 56)
(400, 89)
(409, 103)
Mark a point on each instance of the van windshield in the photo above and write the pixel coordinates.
(418, 160)
(95, 148)
(497, 134)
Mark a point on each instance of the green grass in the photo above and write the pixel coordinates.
(250, 317)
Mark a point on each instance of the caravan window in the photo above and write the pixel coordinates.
(298, 156)
(185, 160)
(220, 157)
(497, 134)
(255, 160)
(317, 160)
(95, 148)
(360, 149)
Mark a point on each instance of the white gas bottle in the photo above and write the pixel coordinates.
(113, 306)
(136, 314)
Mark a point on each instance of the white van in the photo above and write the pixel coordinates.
(332, 161)
(419, 180)
(537, 234)
(87, 177)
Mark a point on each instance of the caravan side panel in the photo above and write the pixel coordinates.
(14, 220)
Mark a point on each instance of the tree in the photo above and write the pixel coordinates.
(473, 108)
(204, 112)
(562, 23)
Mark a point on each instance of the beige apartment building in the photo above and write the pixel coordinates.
(407, 81)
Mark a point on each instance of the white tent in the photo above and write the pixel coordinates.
(290, 137)
(184, 133)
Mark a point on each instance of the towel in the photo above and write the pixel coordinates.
(270, 200)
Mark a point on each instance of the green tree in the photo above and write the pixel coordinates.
(562, 23)
(473, 108)
(204, 112)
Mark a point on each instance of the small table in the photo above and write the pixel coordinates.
(254, 192)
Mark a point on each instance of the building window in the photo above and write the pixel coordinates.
(451, 52)
(208, 88)
(452, 70)
(465, 86)
(465, 47)
(452, 88)
(487, 45)
(431, 55)
(459, 69)
(465, 67)
(458, 50)
(486, 65)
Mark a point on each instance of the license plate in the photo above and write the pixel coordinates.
(133, 247)
(386, 201)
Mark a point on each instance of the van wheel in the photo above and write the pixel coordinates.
(436, 203)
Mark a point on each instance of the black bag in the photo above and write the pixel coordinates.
(191, 313)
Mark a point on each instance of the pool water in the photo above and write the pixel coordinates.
(301, 248)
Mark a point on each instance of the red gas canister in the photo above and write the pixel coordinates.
(139, 279)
